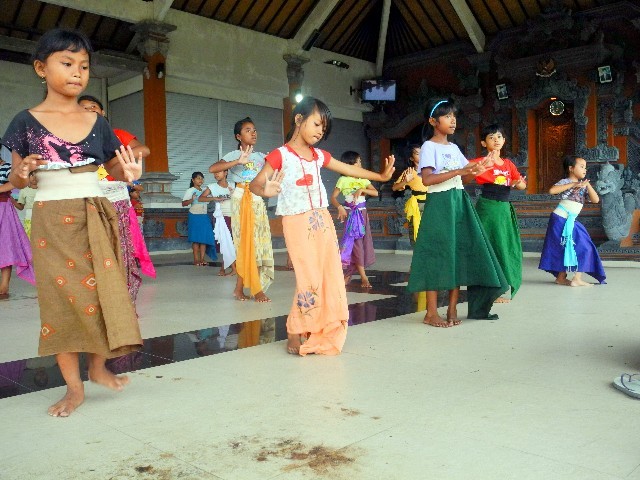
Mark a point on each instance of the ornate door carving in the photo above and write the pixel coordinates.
(556, 139)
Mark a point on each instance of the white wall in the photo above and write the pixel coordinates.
(215, 60)
(207, 59)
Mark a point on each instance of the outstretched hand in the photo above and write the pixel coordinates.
(388, 168)
(131, 166)
(28, 164)
(245, 154)
(272, 186)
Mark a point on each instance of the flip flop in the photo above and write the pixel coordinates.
(627, 384)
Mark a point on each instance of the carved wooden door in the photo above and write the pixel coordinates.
(556, 139)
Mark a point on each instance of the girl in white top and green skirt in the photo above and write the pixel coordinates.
(453, 249)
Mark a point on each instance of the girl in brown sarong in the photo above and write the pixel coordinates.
(82, 289)
(292, 172)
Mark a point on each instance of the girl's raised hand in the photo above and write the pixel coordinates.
(388, 169)
(245, 154)
(131, 166)
(409, 175)
(272, 185)
(27, 165)
(342, 213)
(522, 179)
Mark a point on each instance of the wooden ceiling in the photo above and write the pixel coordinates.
(351, 29)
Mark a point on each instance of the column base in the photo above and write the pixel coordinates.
(157, 187)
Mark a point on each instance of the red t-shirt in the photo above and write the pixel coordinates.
(275, 157)
(505, 174)
(124, 136)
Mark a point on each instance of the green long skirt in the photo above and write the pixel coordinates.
(452, 249)
(501, 226)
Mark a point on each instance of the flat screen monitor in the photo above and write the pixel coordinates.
(378, 90)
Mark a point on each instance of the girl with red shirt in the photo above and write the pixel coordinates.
(496, 213)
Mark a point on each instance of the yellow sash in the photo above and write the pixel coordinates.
(412, 212)
(246, 264)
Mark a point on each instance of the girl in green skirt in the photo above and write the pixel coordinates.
(496, 213)
(453, 249)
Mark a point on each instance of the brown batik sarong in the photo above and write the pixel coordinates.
(82, 287)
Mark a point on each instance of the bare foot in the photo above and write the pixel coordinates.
(366, 284)
(501, 300)
(240, 296)
(261, 298)
(564, 281)
(580, 283)
(222, 273)
(347, 279)
(104, 377)
(436, 321)
(293, 344)
(452, 317)
(72, 400)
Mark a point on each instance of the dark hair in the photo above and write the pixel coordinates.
(237, 128)
(306, 107)
(409, 152)
(490, 130)
(350, 157)
(59, 40)
(436, 109)
(90, 98)
(193, 176)
(569, 161)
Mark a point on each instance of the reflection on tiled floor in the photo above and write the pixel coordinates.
(24, 376)
(526, 397)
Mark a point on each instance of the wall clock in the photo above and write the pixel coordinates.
(556, 108)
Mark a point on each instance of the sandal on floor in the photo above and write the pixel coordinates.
(628, 384)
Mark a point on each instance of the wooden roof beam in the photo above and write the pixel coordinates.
(314, 21)
(471, 25)
(160, 9)
(382, 38)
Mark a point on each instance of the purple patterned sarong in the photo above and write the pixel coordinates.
(353, 230)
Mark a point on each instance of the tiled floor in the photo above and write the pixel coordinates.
(526, 397)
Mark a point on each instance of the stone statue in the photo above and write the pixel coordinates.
(617, 207)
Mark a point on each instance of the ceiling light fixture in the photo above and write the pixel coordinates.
(337, 63)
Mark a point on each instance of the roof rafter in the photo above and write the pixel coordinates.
(382, 37)
(315, 19)
(470, 23)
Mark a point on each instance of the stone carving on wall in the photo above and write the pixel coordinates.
(617, 208)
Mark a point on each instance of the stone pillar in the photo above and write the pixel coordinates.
(295, 76)
(154, 46)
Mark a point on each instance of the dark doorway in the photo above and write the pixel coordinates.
(556, 139)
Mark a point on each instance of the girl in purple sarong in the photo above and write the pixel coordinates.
(567, 244)
(356, 246)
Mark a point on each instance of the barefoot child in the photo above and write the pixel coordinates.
(199, 226)
(567, 245)
(292, 172)
(134, 250)
(82, 290)
(14, 243)
(496, 213)
(249, 221)
(220, 192)
(414, 206)
(452, 250)
(356, 246)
